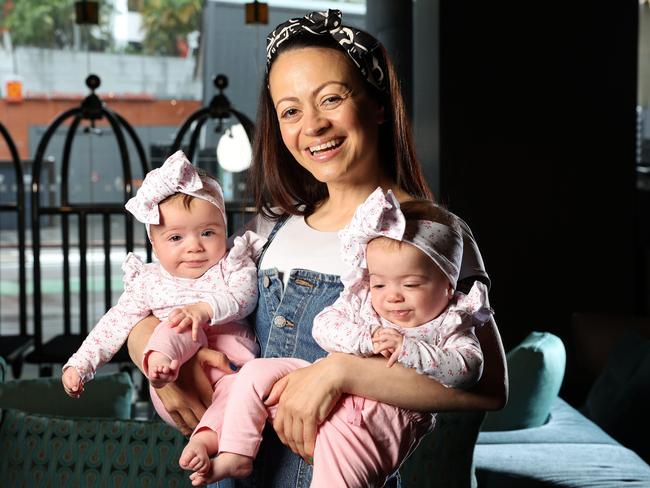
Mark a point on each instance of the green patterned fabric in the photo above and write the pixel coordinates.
(42, 451)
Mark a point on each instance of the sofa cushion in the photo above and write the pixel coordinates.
(619, 399)
(565, 465)
(39, 450)
(565, 425)
(108, 395)
(568, 451)
(535, 369)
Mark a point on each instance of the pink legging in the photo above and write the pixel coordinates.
(359, 445)
(233, 339)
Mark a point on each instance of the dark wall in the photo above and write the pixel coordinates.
(538, 153)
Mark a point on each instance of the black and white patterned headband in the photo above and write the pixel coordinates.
(361, 47)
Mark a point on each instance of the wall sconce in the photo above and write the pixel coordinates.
(234, 149)
(257, 13)
(86, 12)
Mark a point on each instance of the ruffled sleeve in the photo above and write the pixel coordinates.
(475, 305)
(132, 268)
(452, 355)
(245, 249)
(237, 296)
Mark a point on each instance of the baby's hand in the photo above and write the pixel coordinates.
(72, 383)
(387, 342)
(190, 316)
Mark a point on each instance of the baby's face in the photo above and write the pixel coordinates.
(188, 242)
(406, 287)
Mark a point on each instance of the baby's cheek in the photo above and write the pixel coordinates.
(375, 300)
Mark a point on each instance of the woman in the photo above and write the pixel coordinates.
(331, 128)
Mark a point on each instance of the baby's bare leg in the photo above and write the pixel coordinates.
(196, 455)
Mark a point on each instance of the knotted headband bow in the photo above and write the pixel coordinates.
(380, 216)
(176, 175)
(361, 47)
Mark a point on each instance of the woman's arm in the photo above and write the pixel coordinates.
(405, 388)
(306, 396)
(188, 397)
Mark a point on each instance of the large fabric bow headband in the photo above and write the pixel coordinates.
(176, 175)
(361, 47)
(380, 216)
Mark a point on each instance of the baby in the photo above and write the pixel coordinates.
(398, 301)
(196, 284)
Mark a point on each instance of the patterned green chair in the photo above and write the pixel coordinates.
(42, 450)
(45, 443)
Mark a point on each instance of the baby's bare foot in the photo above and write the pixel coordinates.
(225, 465)
(162, 370)
(195, 457)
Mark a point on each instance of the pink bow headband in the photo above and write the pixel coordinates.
(380, 216)
(176, 175)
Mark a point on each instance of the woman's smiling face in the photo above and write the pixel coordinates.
(327, 118)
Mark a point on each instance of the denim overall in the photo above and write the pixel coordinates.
(283, 323)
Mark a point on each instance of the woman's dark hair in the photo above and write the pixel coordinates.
(276, 178)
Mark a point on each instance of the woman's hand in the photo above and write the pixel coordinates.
(305, 398)
(187, 399)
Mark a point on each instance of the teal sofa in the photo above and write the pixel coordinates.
(45, 442)
(539, 440)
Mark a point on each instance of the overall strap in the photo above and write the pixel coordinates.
(278, 225)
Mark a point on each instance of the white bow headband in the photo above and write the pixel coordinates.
(380, 216)
(176, 175)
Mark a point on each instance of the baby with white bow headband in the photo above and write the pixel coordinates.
(196, 284)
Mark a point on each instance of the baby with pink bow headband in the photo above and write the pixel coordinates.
(399, 301)
(198, 290)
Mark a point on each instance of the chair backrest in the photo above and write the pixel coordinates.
(16, 206)
(77, 216)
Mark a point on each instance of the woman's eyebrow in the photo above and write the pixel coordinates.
(314, 92)
(286, 99)
(323, 85)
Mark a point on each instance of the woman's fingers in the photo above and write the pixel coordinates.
(288, 432)
(309, 435)
(276, 392)
(278, 426)
(304, 399)
(216, 359)
(196, 379)
(297, 434)
(179, 418)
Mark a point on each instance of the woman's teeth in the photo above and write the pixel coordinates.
(325, 146)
